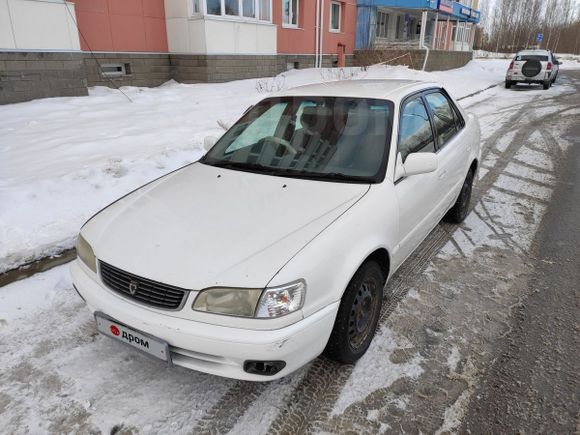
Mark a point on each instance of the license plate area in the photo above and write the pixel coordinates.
(144, 343)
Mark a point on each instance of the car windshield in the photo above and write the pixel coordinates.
(325, 138)
(532, 57)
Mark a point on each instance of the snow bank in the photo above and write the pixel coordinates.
(63, 159)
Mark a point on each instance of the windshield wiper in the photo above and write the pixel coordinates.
(243, 166)
(339, 176)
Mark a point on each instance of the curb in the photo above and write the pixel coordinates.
(41, 265)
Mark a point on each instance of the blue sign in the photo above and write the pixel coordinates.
(540, 37)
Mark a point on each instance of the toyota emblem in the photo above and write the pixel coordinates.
(133, 286)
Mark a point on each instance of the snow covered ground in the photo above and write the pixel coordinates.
(63, 159)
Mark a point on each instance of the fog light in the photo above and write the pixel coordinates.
(264, 368)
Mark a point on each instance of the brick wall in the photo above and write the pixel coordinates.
(438, 60)
(26, 76)
(144, 69)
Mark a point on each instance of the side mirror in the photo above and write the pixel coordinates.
(420, 163)
(209, 142)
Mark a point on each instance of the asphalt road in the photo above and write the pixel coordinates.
(533, 385)
(478, 333)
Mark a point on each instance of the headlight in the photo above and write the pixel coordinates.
(230, 301)
(279, 301)
(86, 254)
(268, 303)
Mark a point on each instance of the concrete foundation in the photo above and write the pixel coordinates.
(438, 60)
(26, 76)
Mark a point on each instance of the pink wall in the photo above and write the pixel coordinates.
(302, 40)
(122, 25)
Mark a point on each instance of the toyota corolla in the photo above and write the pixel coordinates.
(276, 246)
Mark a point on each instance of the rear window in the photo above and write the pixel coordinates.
(532, 57)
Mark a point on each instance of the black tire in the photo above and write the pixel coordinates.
(508, 84)
(358, 315)
(547, 85)
(531, 68)
(460, 209)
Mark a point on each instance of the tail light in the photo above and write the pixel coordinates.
(549, 66)
(512, 65)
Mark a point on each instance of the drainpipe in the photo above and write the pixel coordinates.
(317, 33)
(422, 38)
(446, 46)
(436, 32)
(321, 51)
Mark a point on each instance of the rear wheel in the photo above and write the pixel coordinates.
(358, 315)
(508, 84)
(547, 85)
(459, 211)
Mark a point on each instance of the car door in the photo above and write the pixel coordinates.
(452, 148)
(417, 195)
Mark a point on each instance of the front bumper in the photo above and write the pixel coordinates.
(213, 349)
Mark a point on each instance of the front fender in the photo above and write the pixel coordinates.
(330, 260)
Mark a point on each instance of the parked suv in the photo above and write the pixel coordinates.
(533, 66)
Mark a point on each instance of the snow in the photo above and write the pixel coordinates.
(63, 159)
(375, 370)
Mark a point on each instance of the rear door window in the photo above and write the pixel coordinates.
(444, 117)
(526, 57)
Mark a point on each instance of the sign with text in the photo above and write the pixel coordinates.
(446, 6)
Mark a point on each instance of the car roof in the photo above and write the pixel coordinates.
(541, 52)
(384, 89)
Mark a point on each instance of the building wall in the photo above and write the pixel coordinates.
(439, 60)
(302, 39)
(28, 75)
(122, 25)
(208, 34)
(33, 24)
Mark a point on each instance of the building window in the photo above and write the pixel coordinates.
(335, 16)
(398, 29)
(244, 9)
(290, 13)
(248, 8)
(214, 7)
(382, 25)
(115, 69)
(232, 7)
(264, 7)
(196, 7)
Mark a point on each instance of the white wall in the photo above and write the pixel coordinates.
(215, 35)
(38, 24)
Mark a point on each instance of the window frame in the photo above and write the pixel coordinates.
(459, 121)
(240, 17)
(290, 25)
(292, 100)
(380, 16)
(404, 102)
(330, 28)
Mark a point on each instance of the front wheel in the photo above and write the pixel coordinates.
(458, 212)
(358, 315)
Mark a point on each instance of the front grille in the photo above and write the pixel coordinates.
(140, 289)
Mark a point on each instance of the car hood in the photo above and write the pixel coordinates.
(204, 226)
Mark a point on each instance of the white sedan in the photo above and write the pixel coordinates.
(276, 246)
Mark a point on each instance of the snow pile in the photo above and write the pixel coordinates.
(63, 159)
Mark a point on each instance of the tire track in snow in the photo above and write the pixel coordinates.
(313, 418)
